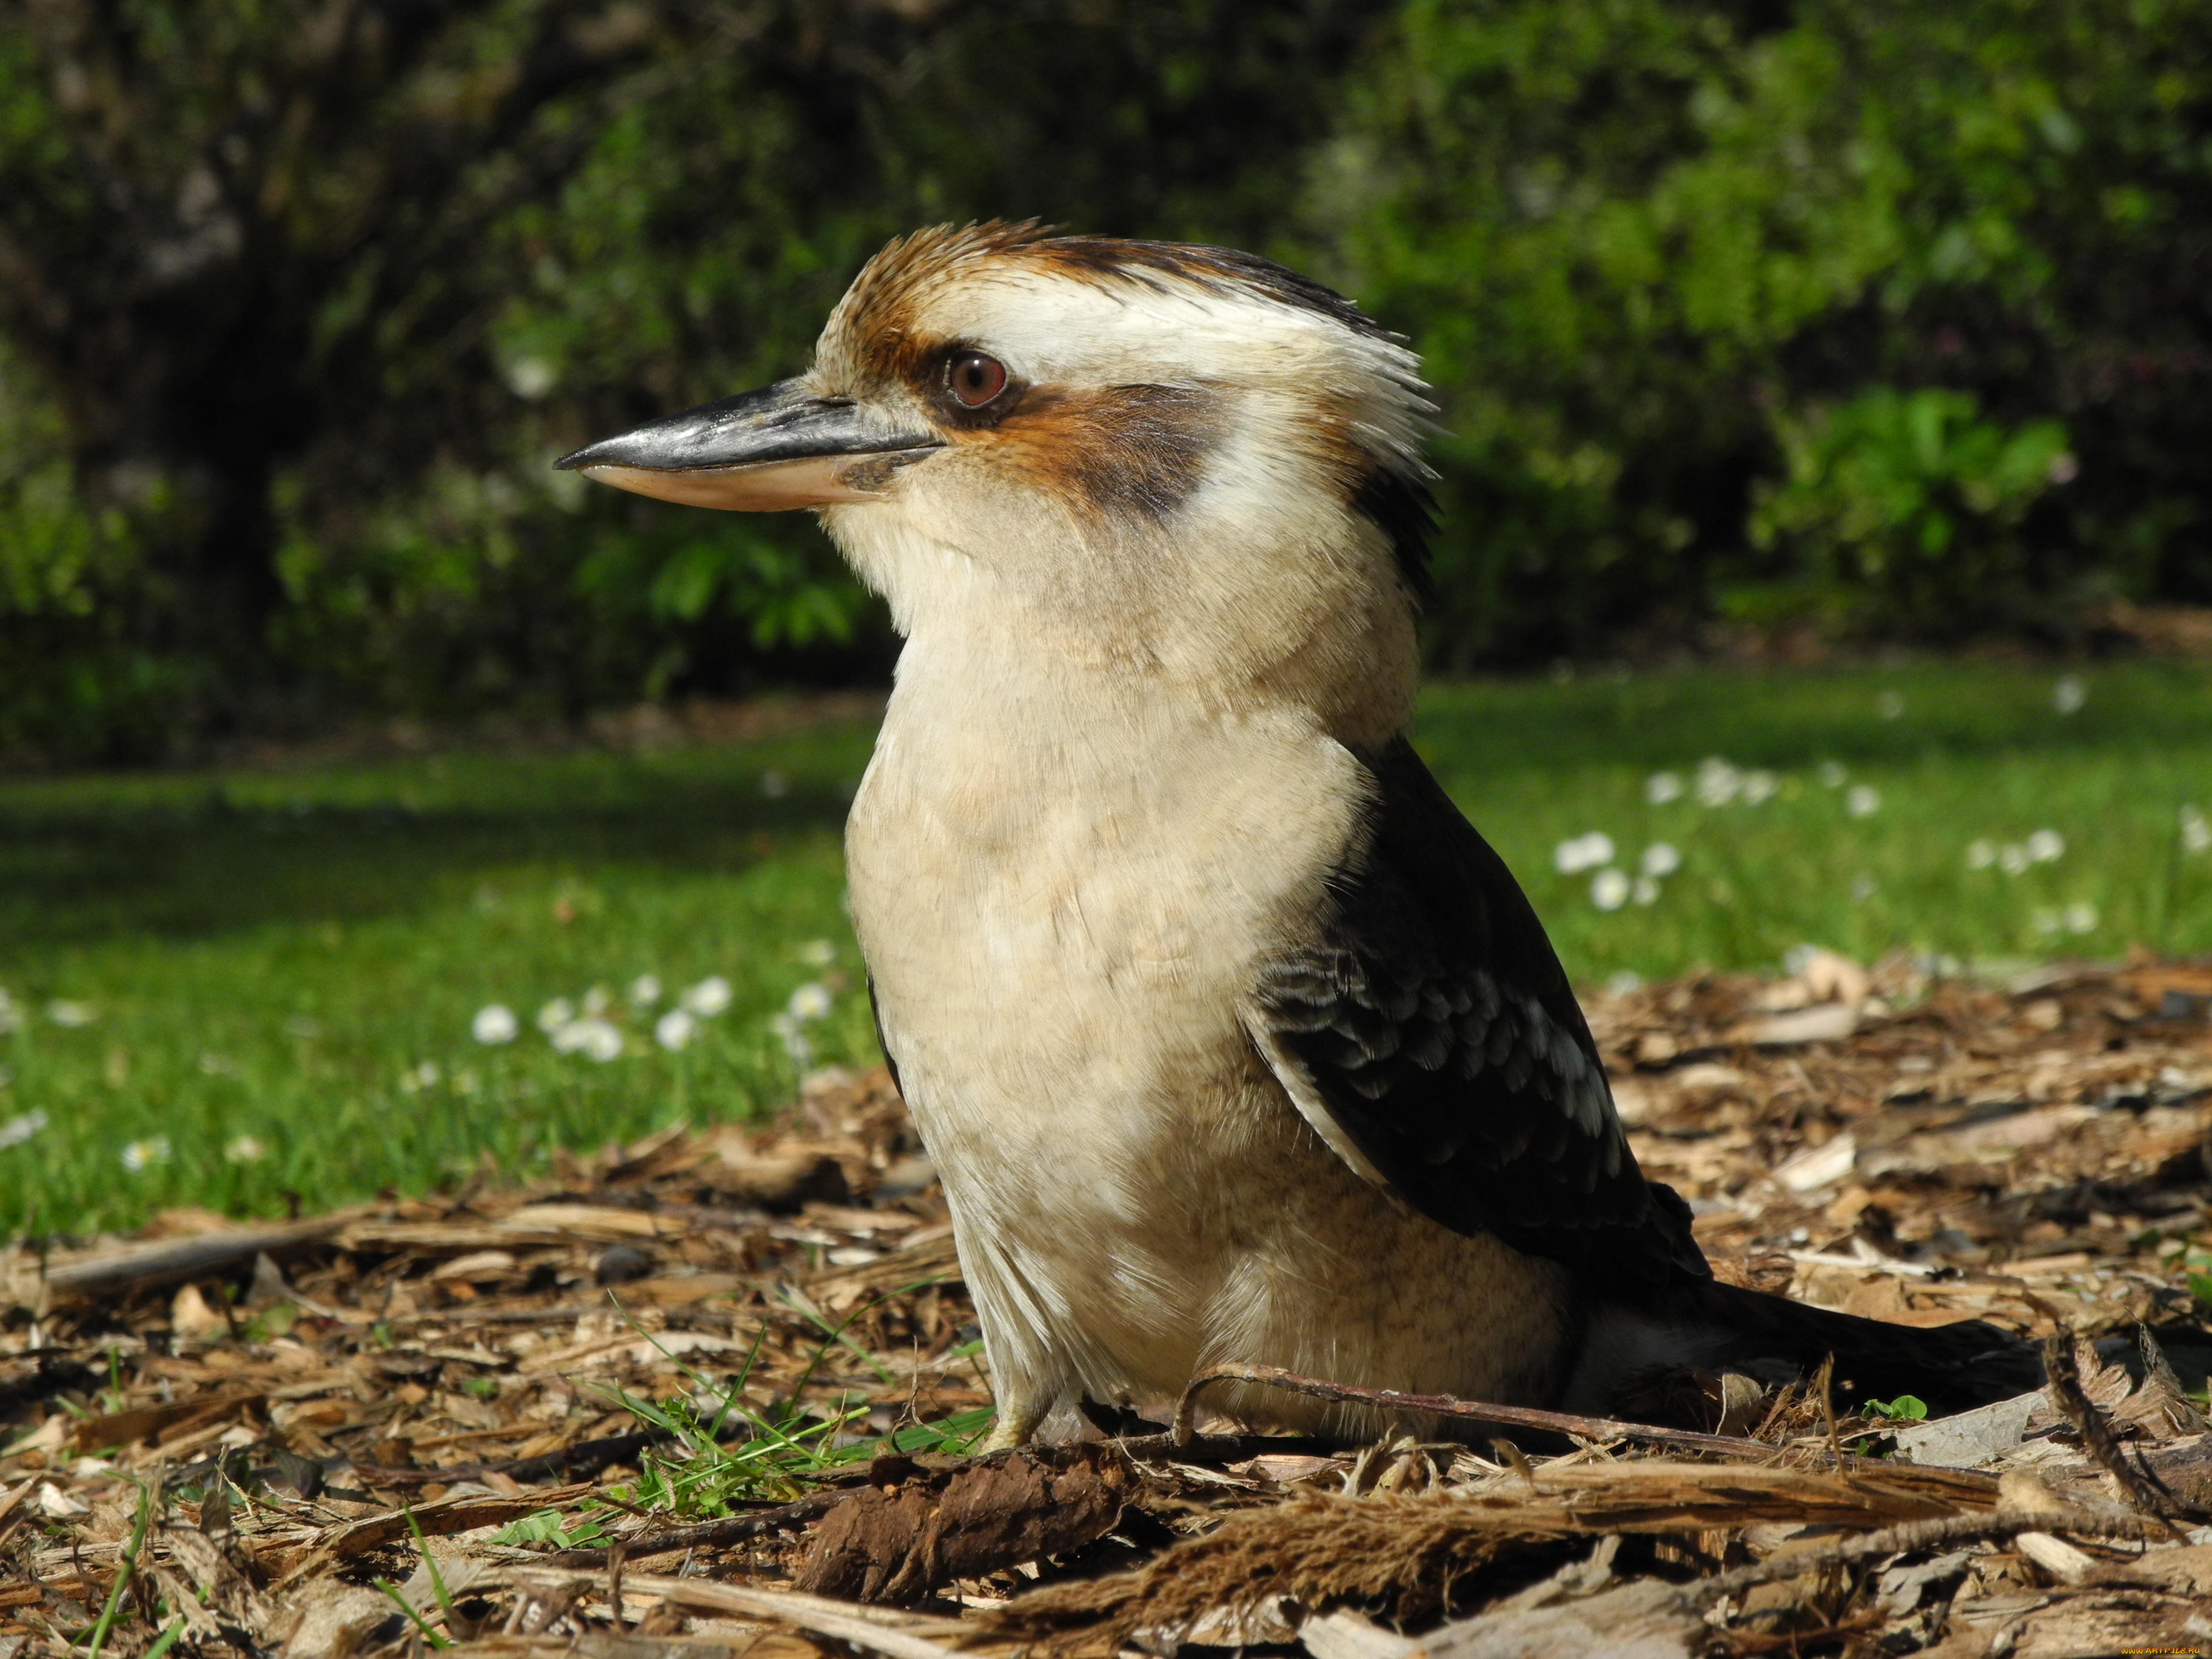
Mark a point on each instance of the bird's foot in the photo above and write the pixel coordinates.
(1017, 1426)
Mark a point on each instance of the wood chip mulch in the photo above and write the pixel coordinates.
(708, 1394)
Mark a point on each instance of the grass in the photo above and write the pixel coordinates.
(275, 972)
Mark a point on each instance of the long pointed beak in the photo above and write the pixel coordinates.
(768, 451)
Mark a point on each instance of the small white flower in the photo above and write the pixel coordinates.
(1662, 787)
(1660, 858)
(595, 1001)
(1609, 889)
(494, 1023)
(2067, 695)
(415, 1079)
(794, 1036)
(1759, 787)
(531, 378)
(817, 953)
(1980, 854)
(2012, 858)
(555, 1014)
(1862, 800)
(2045, 920)
(1718, 783)
(675, 1029)
(1645, 891)
(1863, 888)
(70, 1014)
(708, 997)
(1890, 705)
(141, 1155)
(775, 785)
(2081, 918)
(593, 1038)
(809, 1001)
(1582, 853)
(1832, 775)
(2195, 837)
(2045, 847)
(243, 1149)
(1621, 983)
(645, 990)
(14, 1131)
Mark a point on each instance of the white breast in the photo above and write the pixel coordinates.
(1061, 878)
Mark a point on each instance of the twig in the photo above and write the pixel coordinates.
(613, 1449)
(1465, 1411)
(103, 1272)
(709, 1534)
(897, 1634)
(892, 1631)
(1823, 1384)
(2141, 1488)
(19, 1493)
(1920, 1536)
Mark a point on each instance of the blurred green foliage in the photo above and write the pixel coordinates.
(1651, 248)
(1913, 499)
(1893, 318)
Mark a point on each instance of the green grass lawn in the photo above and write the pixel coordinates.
(225, 987)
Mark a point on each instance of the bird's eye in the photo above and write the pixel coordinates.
(976, 379)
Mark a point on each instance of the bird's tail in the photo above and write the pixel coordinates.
(1712, 1327)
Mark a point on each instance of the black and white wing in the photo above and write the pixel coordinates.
(1425, 1027)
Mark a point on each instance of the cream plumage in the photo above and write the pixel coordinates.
(1231, 1040)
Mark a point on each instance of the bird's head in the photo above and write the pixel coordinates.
(1154, 450)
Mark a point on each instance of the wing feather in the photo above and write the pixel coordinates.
(1424, 1026)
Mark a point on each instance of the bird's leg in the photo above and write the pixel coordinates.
(1017, 1422)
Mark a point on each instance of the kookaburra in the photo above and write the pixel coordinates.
(1231, 1040)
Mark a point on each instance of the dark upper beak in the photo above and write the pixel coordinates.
(764, 452)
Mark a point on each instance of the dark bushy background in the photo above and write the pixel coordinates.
(1890, 318)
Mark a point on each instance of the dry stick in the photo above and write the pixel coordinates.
(1468, 1410)
(2142, 1489)
(1824, 1383)
(710, 1535)
(1923, 1534)
(163, 1262)
(878, 1630)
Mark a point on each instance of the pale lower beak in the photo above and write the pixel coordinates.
(768, 451)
